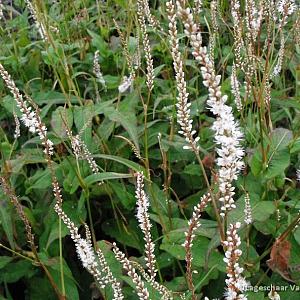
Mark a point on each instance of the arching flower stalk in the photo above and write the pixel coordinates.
(29, 117)
(95, 265)
(194, 224)
(142, 291)
(285, 8)
(39, 25)
(116, 286)
(164, 292)
(247, 210)
(10, 193)
(254, 17)
(97, 69)
(227, 132)
(237, 33)
(236, 284)
(127, 83)
(146, 44)
(84, 249)
(17, 129)
(145, 224)
(197, 7)
(235, 88)
(215, 28)
(278, 66)
(145, 10)
(129, 59)
(82, 152)
(183, 110)
(267, 91)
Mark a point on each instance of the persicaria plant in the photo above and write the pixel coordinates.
(150, 149)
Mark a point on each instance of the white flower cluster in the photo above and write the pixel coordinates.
(238, 34)
(54, 29)
(82, 152)
(197, 7)
(34, 124)
(277, 68)
(143, 8)
(86, 253)
(267, 97)
(227, 136)
(194, 222)
(214, 9)
(235, 12)
(83, 246)
(278, 215)
(254, 17)
(298, 174)
(142, 291)
(1, 10)
(285, 8)
(97, 268)
(40, 26)
(17, 129)
(273, 295)
(97, 69)
(166, 294)
(126, 84)
(247, 210)
(227, 131)
(145, 224)
(116, 286)
(191, 28)
(235, 88)
(215, 29)
(29, 116)
(183, 106)
(236, 284)
(136, 58)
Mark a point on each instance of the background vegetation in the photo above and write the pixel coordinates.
(58, 76)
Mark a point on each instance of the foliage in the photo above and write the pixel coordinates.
(136, 131)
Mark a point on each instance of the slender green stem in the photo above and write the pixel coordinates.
(189, 295)
(18, 254)
(213, 200)
(90, 219)
(62, 280)
(145, 107)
